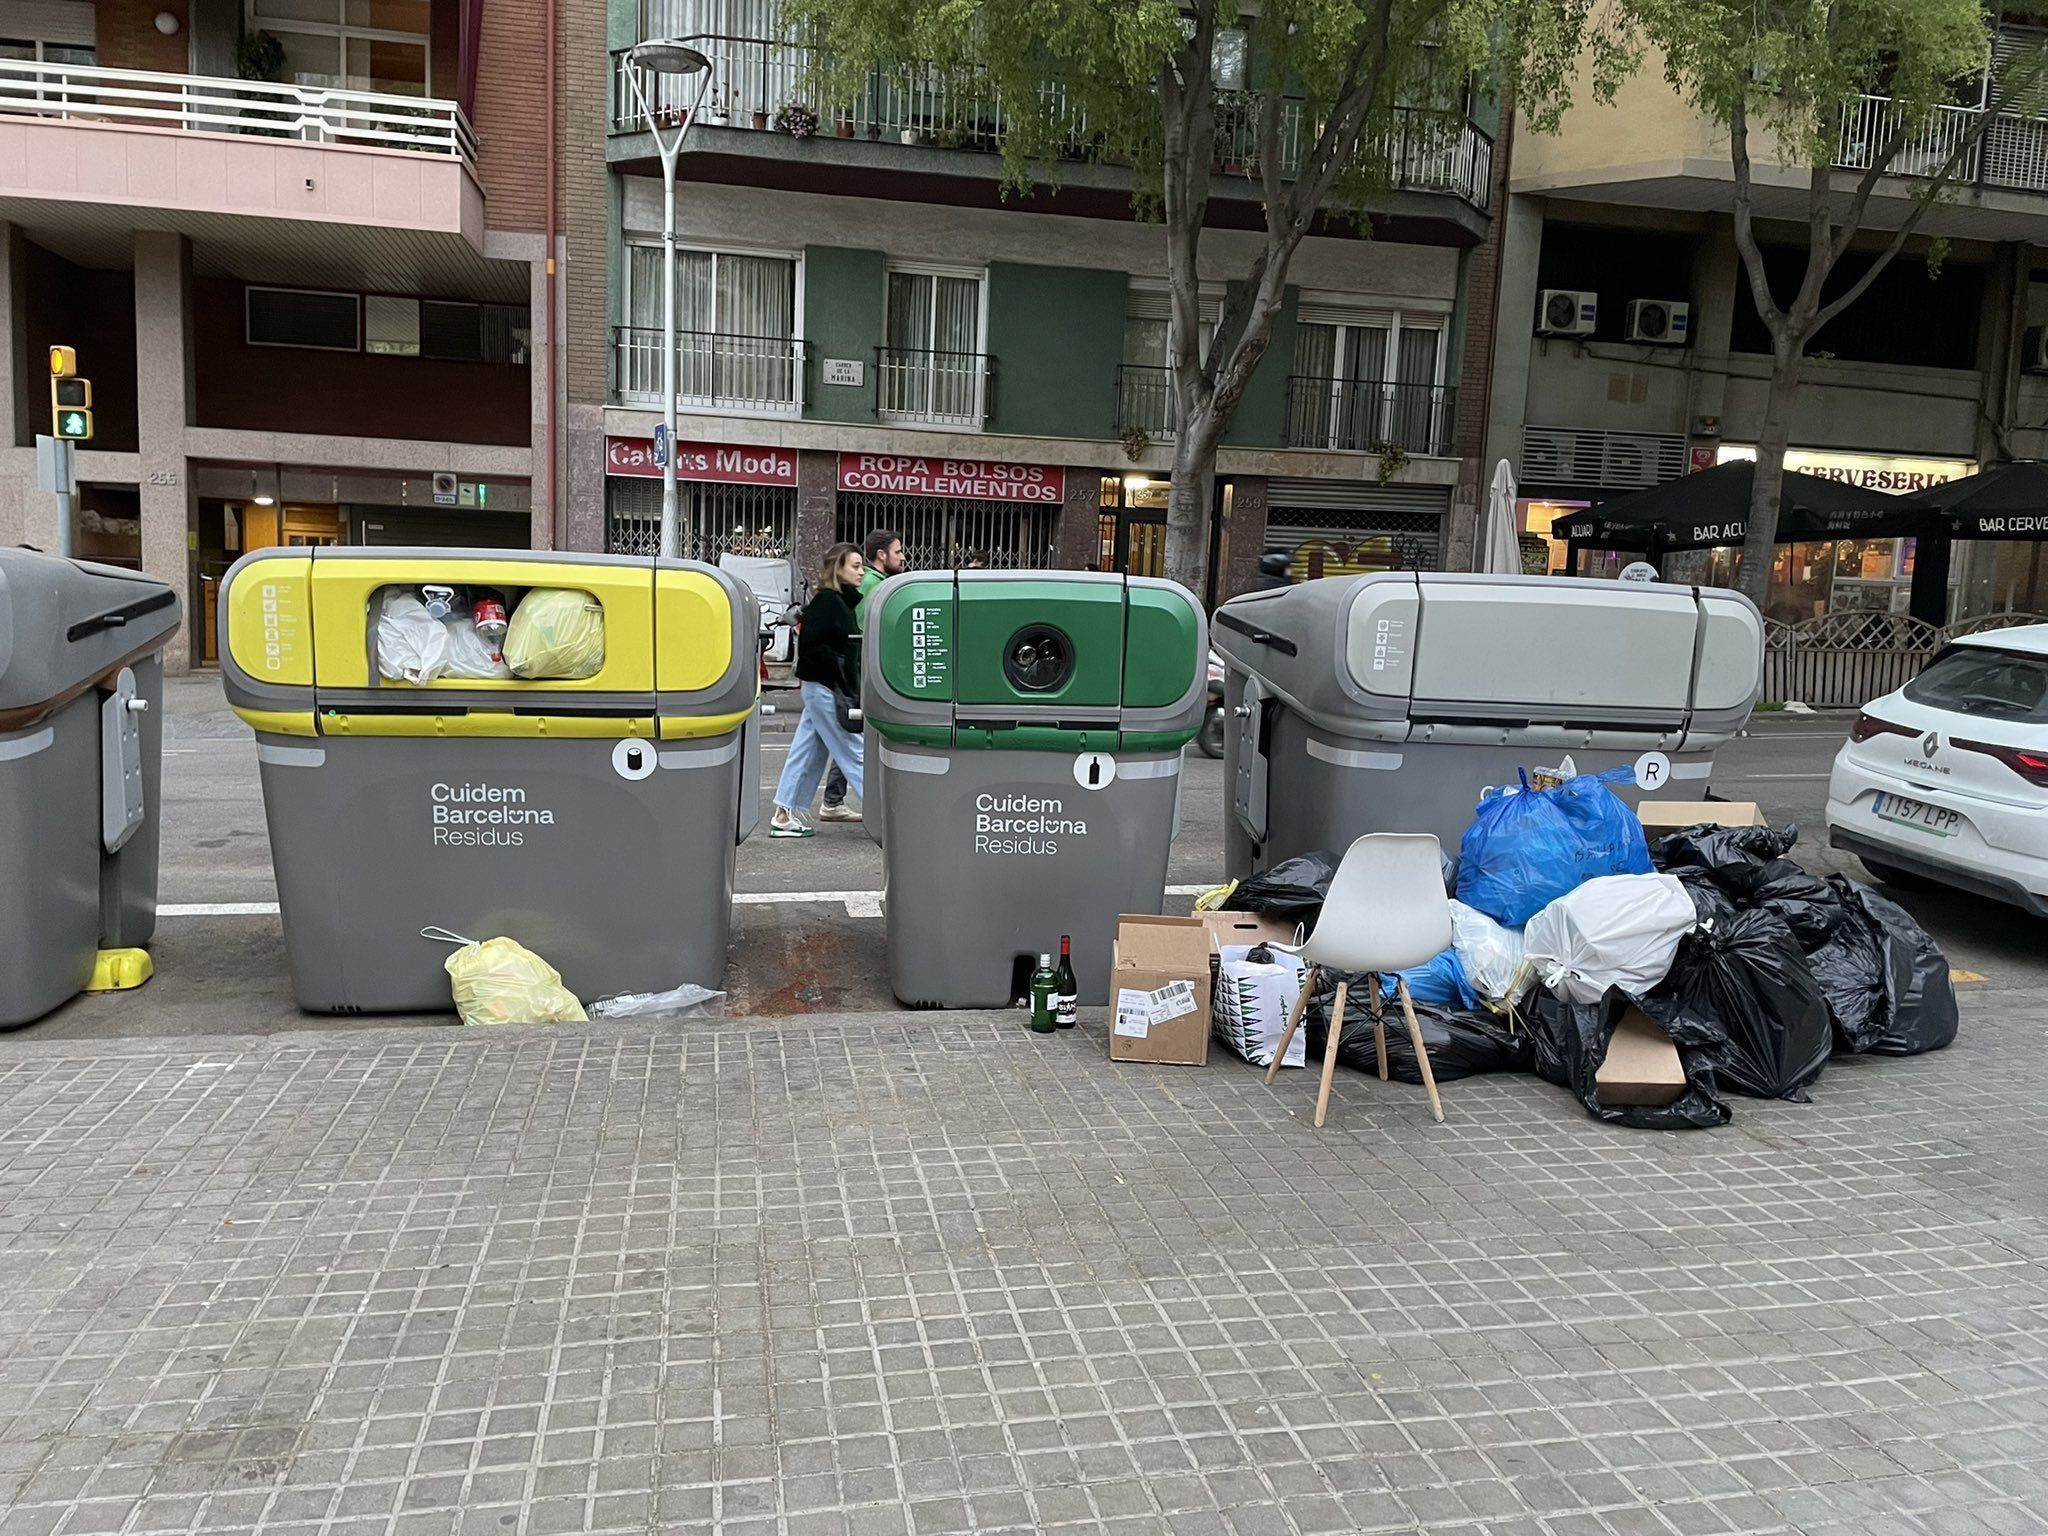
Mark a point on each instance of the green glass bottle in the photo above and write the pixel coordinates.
(1044, 1018)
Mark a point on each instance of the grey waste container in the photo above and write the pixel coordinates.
(593, 819)
(1386, 703)
(81, 755)
(1024, 733)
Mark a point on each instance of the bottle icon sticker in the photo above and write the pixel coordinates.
(1095, 770)
(633, 759)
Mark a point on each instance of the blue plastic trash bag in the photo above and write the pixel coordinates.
(1528, 847)
(1440, 982)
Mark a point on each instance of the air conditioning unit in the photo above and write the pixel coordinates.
(2034, 349)
(1561, 312)
(1661, 321)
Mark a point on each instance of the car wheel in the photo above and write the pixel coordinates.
(1891, 874)
(1211, 739)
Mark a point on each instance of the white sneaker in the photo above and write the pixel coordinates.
(839, 812)
(788, 824)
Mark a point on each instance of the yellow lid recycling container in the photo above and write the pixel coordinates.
(558, 748)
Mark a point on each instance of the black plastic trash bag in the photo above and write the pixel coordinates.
(1572, 1041)
(1292, 890)
(1885, 979)
(1710, 847)
(1807, 903)
(1460, 1043)
(1708, 898)
(1747, 978)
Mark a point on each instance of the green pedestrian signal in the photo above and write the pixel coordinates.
(70, 403)
(74, 424)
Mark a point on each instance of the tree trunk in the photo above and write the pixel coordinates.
(1760, 542)
(1188, 500)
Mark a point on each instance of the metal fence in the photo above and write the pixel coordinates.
(712, 520)
(210, 104)
(940, 533)
(1363, 415)
(1144, 402)
(1844, 660)
(936, 387)
(753, 78)
(761, 374)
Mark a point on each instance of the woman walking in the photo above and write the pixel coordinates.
(824, 656)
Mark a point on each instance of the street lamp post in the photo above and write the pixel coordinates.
(662, 57)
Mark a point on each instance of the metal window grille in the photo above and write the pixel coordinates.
(712, 520)
(940, 532)
(1332, 543)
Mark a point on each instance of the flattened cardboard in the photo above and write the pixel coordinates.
(1153, 953)
(1642, 1065)
(1677, 815)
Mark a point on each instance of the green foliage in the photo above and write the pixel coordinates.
(1794, 66)
(1081, 79)
(259, 55)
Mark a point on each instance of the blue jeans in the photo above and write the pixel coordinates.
(819, 736)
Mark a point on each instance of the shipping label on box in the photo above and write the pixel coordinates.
(1159, 982)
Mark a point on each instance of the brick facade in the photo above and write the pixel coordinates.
(585, 200)
(510, 116)
(1077, 537)
(127, 38)
(817, 511)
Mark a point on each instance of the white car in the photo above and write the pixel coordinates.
(1947, 779)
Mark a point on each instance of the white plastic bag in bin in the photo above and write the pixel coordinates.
(412, 645)
(1613, 931)
(1252, 1002)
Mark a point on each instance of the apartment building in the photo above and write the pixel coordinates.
(1629, 350)
(871, 334)
(299, 248)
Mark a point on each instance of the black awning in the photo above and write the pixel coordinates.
(1712, 508)
(2001, 501)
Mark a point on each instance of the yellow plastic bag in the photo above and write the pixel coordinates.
(501, 981)
(556, 632)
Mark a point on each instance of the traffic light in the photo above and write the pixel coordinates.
(70, 397)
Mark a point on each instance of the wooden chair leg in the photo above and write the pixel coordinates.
(1379, 1025)
(1421, 1051)
(1308, 986)
(1330, 1054)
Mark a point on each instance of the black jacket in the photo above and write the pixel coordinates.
(824, 644)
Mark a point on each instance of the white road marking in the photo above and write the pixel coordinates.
(857, 903)
(1781, 778)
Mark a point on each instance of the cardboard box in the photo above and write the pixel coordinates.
(1159, 991)
(1244, 928)
(1661, 816)
(1642, 1065)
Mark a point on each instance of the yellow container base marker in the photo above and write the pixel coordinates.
(120, 970)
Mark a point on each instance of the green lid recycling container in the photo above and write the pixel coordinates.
(1024, 734)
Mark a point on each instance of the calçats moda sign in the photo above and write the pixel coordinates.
(725, 463)
(900, 474)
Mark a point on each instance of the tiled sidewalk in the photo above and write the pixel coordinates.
(932, 1274)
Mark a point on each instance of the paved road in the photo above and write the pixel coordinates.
(228, 973)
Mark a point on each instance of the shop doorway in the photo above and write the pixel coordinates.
(1131, 526)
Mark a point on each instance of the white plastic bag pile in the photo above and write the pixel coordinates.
(415, 647)
(1489, 953)
(1613, 931)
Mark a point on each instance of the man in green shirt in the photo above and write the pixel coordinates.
(884, 557)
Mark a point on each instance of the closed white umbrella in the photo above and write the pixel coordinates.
(1500, 549)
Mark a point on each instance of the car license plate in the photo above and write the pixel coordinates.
(1918, 815)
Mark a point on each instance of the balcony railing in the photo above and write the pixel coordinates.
(932, 388)
(2011, 154)
(753, 79)
(1364, 416)
(715, 371)
(210, 104)
(1144, 402)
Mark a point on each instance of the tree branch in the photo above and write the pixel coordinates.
(1745, 228)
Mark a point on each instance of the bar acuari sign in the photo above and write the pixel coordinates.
(965, 479)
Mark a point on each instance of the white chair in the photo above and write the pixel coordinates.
(1386, 911)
